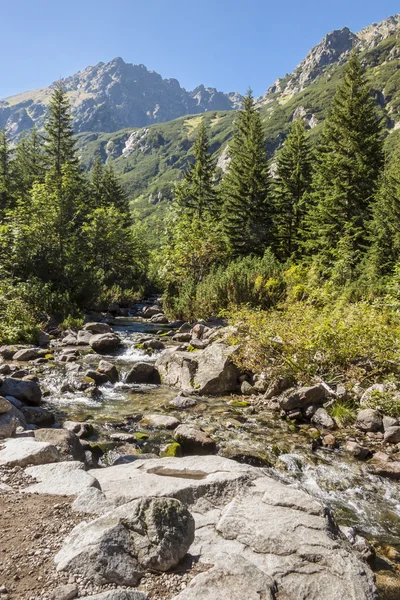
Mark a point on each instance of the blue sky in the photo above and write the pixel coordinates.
(225, 44)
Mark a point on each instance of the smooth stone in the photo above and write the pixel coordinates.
(369, 419)
(392, 435)
(5, 405)
(37, 415)
(108, 369)
(160, 421)
(60, 479)
(66, 441)
(26, 391)
(26, 451)
(97, 328)
(105, 342)
(143, 372)
(8, 424)
(194, 440)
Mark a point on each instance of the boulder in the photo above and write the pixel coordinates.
(97, 328)
(44, 339)
(98, 378)
(389, 422)
(84, 337)
(153, 345)
(26, 391)
(26, 451)
(183, 402)
(278, 386)
(392, 435)
(246, 388)
(151, 311)
(92, 501)
(66, 441)
(109, 369)
(369, 419)
(302, 397)
(27, 354)
(82, 430)
(119, 547)
(60, 479)
(209, 371)
(194, 440)
(105, 342)
(357, 451)
(182, 337)
(7, 352)
(160, 319)
(143, 372)
(5, 369)
(385, 468)
(8, 424)
(160, 421)
(38, 416)
(5, 405)
(322, 419)
(70, 340)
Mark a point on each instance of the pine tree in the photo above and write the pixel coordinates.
(106, 189)
(29, 164)
(346, 176)
(384, 253)
(291, 187)
(247, 211)
(196, 194)
(60, 144)
(6, 179)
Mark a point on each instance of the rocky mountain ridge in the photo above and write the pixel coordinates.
(111, 96)
(334, 49)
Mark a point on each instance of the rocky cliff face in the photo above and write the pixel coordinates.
(334, 49)
(112, 96)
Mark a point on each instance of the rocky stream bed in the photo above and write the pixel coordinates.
(183, 480)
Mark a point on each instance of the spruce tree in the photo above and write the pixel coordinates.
(347, 172)
(196, 194)
(106, 189)
(29, 164)
(247, 210)
(290, 188)
(384, 253)
(6, 179)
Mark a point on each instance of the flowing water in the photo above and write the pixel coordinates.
(368, 502)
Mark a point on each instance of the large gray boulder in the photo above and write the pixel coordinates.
(303, 397)
(105, 342)
(369, 419)
(194, 440)
(66, 441)
(27, 354)
(107, 368)
(145, 373)
(97, 328)
(5, 405)
(27, 391)
(22, 452)
(60, 479)
(209, 371)
(119, 547)
(36, 415)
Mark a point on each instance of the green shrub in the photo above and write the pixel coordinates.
(344, 413)
(388, 403)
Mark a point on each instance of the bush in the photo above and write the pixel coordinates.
(302, 340)
(388, 403)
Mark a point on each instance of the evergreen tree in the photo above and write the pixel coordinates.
(346, 176)
(60, 145)
(29, 164)
(196, 194)
(385, 226)
(247, 211)
(106, 190)
(291, 187)
(6, 180)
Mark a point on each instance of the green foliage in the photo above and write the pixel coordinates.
(247, 211)
(344, 413)
(388, 403)
(304, 341)
(291, 187)
(346, 176)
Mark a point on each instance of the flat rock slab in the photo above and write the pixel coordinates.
(60, 479)
(22, 452)
(187, 479)
(118, 595)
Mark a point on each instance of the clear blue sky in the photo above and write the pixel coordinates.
(228, 44)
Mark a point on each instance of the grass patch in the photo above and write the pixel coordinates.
(344, 413)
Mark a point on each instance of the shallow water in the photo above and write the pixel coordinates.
(360, 499)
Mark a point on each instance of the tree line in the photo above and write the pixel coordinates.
(66, 237)
(334, 207)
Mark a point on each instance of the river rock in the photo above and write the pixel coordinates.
(151, 311)
(182, 402)
(97, 328)
(323, 419)
(92, 501)
(44, 339)
(389, 422)
(5, 405)
(209, 371)
(84, 337)
(5, 369)
(182, 337)
(109, 369)
(70, 340)
(66, 441)
(82, 430)
(303, 397)
(26, 391)
(22, 452)
(8, 424)
(357, 451)
(38, 416)
(278, 386)
(7, 352)
(143, 372)
(160, 319)
(369, 419)
(390, 469)
(153, 345)
(27, 354)
(105, 342)
(392, 435)
(60, 479)
(159, 421)
(146, 534)
(194, 440)
(98, 378)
